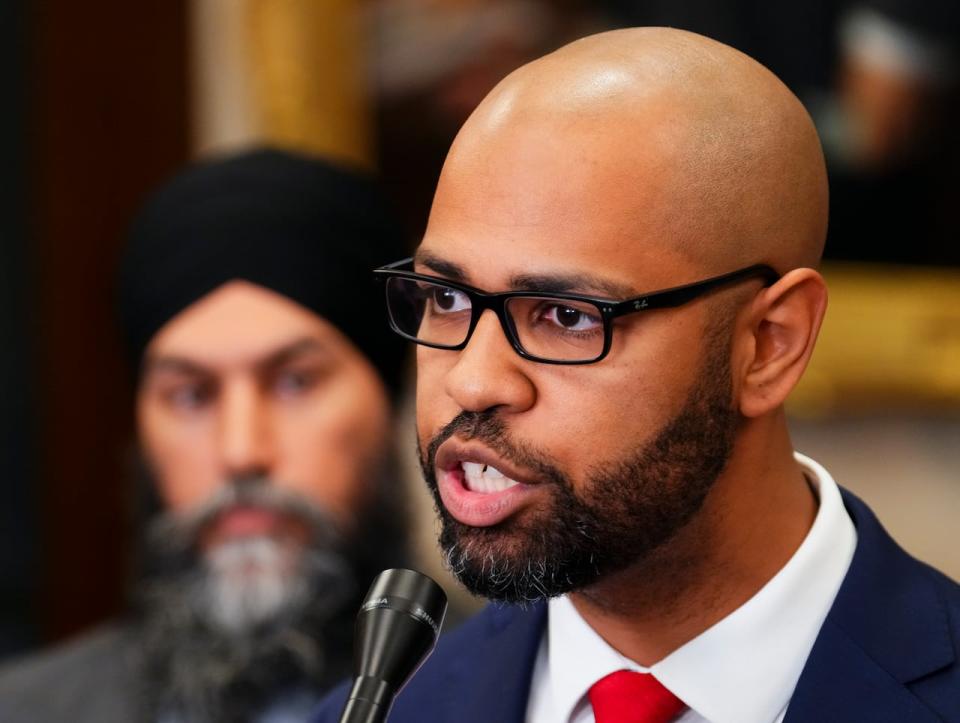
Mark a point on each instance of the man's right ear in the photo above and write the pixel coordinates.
(784, 321)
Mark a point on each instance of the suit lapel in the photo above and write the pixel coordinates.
(842, 684)
(887, 627)
(493, 683)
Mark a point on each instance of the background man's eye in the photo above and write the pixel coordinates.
(294, 382)
(189, 396)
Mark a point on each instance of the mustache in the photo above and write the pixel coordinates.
(488, 428)
(178, 532)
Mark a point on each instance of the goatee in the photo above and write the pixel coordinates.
(625, 510)
(229, 630)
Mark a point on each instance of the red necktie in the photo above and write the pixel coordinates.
(628, 697)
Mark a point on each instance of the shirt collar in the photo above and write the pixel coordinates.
(761, 647)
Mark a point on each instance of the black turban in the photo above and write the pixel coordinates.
(302, 227)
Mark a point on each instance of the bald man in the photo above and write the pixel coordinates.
(615, 294)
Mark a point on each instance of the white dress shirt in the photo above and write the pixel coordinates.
(743, 669)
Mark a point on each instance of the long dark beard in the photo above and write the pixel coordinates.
(201, 665)
(625, 511)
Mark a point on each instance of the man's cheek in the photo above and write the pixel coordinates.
(433, 365)
(432, 414)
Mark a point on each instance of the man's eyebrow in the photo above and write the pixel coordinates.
(290, 352)
(179, 364)
(447, 269)
(544, 283)
(571, 284)
(173, 364)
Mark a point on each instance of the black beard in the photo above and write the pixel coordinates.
(626, 510)
(201, 671)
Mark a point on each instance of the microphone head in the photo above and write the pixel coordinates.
(397, 627)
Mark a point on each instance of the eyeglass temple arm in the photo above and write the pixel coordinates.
(680, 295)
(395, 265)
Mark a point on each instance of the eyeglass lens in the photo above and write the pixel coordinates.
(547, 328)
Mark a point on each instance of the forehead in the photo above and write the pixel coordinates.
(555, 192)
(238, 324)
(565, 203)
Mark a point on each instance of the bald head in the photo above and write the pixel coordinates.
(658, 137)
(620, 165)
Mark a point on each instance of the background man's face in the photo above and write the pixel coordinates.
(635, 425)
(247, 384)
(264, 430)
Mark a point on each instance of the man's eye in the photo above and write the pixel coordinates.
(293, 383)
(446, 300)
(572, 318)
(189, 397)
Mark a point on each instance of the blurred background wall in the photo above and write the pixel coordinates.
(101, 115)
(18, 516)
(106, 99)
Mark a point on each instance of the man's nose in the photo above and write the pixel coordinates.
(246, 443)
(489, 373)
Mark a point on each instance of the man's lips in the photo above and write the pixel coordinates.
(453, 453)
(244, 521)
(478, 487)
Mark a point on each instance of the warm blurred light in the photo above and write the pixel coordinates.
(891, 340)
(290, 73)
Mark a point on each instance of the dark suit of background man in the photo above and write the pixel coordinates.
(620, 474)
(263, 421)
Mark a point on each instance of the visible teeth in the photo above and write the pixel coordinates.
(484, 478)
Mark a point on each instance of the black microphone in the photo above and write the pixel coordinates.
(396, 629)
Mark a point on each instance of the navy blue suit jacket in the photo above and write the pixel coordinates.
(887, 652)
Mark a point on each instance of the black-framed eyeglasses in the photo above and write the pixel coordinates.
(553, 328)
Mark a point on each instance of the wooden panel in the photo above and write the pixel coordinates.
(109, 122)
(18, 519)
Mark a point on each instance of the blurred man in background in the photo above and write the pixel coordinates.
(263, 408)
